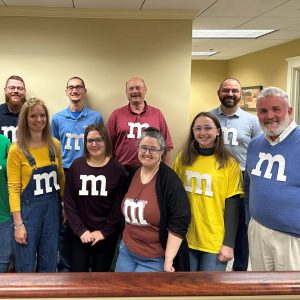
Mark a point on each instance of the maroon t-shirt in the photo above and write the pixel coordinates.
(142, 217)
(93, 196)
(125, 128)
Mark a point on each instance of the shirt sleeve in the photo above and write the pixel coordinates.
(165, 132)
(55, 128)
(70, 206)
(231, 220)
(111, 128)
(256, 130)
(60, 170)
(14, 169)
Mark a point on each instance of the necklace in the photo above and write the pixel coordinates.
(143, 176)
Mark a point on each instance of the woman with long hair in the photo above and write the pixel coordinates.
(35, 183)
(212, 179)
(95, 187)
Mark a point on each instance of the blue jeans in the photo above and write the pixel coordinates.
(130, 262)
(204, 261)
(6, 248)
(41, 217)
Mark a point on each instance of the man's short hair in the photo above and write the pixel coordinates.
(76, 77)
(15, 77)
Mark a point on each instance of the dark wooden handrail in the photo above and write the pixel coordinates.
(46, 285)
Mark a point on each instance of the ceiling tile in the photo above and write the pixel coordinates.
(289, 9)
(241, 8)
(218, 23)
(270, 23)
(201, 5)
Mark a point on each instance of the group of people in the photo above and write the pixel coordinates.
(81, 193)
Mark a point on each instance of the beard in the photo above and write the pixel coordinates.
(14, 105)
(275, 132)
(230, 101)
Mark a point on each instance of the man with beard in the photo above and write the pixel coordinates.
(126, 124)
(15, 96)
(68, 126)
(272, 185)
(239, 127)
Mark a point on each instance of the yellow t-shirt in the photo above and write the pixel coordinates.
(19, 171)
(207, 188)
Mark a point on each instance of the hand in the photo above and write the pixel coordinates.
(86, 237)
(97, 236)
(168, 266)
(63, 216)
(225, 254)
(21, 235)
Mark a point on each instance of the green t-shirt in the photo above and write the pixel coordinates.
(4, 205)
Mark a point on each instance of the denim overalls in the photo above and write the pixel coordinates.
(41, 211)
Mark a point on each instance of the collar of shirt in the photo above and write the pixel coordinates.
(68, 113)
(6, 111)
(283, 135)
(235, 114)
(134, 113)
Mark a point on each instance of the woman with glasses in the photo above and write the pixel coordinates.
(212, 178)
(35, 183)
(157, 214)
(95, 187)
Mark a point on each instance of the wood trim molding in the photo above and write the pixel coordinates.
(56, 285)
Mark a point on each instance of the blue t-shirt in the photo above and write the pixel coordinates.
(238, 130)
(8, 122)
(69, 130)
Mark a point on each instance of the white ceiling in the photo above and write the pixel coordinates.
(281, 15)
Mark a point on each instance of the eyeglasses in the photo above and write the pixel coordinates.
(78, 88)
(204, 129)
(138, 88)
(97, 141)
(18, 88)
(144, 149)
(233, 91)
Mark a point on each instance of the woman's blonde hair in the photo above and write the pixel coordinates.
(23, 132)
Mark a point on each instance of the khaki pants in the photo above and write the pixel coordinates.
(272, 250)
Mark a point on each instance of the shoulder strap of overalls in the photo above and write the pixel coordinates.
(31, 160)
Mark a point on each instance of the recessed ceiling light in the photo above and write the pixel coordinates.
(204, 53)
(229, 34)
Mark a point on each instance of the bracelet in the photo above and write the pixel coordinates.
(19, 226)
(19, 223)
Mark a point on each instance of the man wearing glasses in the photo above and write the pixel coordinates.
(126, 124)
(15, 97)
(239, 128)
(68, 127)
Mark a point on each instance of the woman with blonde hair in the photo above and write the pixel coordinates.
(35, 184)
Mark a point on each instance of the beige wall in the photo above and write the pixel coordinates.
(206, 77)
(266, 67)
(105, 53)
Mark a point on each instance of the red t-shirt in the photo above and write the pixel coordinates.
(125, 127)
(142, 217)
